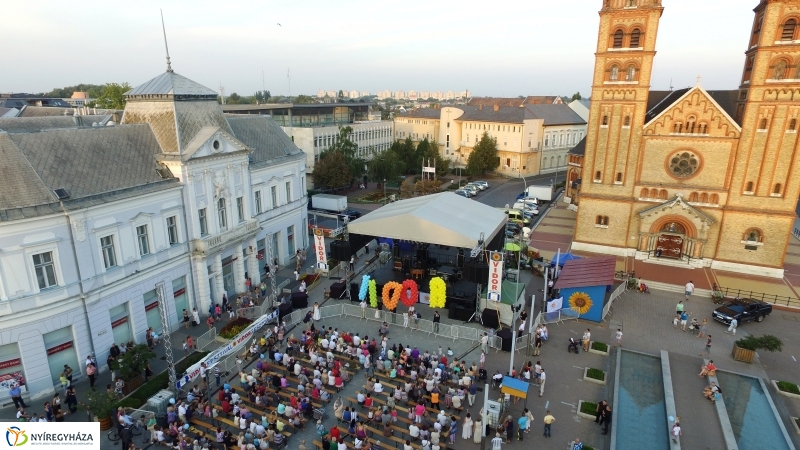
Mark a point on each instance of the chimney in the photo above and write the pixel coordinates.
(496, 108)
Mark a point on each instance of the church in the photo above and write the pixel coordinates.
(691, 176)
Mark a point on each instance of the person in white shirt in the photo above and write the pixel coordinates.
(297, 369)
(324, 343)
(542, 378)
(497, 442)
(235, 397)
(356, 340)
(413, 430)
(587, 336)
(689, 289)
(378, 388)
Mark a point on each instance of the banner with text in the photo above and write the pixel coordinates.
(495, 276)
(52, 434)
(319, 248)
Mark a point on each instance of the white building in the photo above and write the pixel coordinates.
(94, 219)
(321, 93)
(352, 94)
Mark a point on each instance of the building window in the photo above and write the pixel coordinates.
(753, 235)
(109, 255)
(601, 221)
(627, 122)
(789, 30)
(240, 208)
(763, 124)
(749, 187)
(662, 194)
(619, 177)
(636, 34)
(777, 189)
(704, 198)
(172, 230)
(645, 193)
(605, 120)
(45, 270)
(630, 74)
(683, 164)
(258, 202)
(597, 176)
(714, 199)
(288, 191)
(618, 36)
(290, 239)
(780, 70)
(201, 213)
(274, 192)
(693, 197)
(222, 217)
(614, 73)
(142, 240)
(793, 124)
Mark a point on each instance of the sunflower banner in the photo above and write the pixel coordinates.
(363, 290)
(391, 295)
(438, 290)
(373, 293)
(580, 302)
(410, 294)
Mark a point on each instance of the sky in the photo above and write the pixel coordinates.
(505, 48)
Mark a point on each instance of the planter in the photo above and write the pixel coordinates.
(594, 380)
(599, 352)
(784, 393)
(106, 423)
(795, 424)
(743, 354)
(221, 339)
(584, 415)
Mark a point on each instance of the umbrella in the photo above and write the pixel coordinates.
(512, 247)
(562, 258)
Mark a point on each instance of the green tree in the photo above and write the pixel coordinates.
(425, 187)
(332, 171)
(93, 90)
(483, 157)
(261, 96)
(132, 363)
(430, 151)
(385, 165)
(576, 96)
(406, 152)
(349, 150)
(112, 96)
(233, 99)
(407, 188)
(302, 99)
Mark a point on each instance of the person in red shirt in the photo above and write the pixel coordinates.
(226, 406)
(335, 433)
(368, 401)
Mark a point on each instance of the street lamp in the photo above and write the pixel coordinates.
(384, 191)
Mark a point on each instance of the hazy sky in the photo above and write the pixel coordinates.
(491, 48)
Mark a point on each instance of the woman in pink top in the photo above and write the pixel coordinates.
(419, 410)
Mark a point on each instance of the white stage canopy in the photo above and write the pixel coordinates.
(444, 219)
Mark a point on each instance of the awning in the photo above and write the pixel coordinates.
(445, 219)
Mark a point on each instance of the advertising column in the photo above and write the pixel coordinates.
(319, 249)
(495, 276)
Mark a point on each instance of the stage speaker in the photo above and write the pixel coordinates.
(490, 318)
(340, 250)
(422, 254)
(460, 259)
(476, 272)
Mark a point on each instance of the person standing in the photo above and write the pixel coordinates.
(542, 378)
(732, 326)
(703, 328)
(522, 425)
(436, 319)
(482, 359)
(689, 289)
(405, 319)
(352, 263)
(676, 431)
(684, 318)
(195, 316)
(587, 336)
(497, 442)
(576, 444)
(186, 318)
(466, 431)
(485, 344)
(16, 396)
(537, 344)
(471, 392)
(548, 422)
(477, 432)
(601, 406)
(679, 308)
(317, 314)
(707, 350)
(126, 435)
(605, 418)
(618, 338)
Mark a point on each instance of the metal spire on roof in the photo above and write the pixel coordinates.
(169, 65)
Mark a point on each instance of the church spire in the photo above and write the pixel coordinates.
(169, 65)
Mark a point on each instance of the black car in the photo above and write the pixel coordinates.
(350, 214)
(743, 309)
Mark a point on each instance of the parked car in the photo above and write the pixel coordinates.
(477, 185)
(351, 214)
(512, 229)
(532, 201)
(474, 189)
(482, 183)
(743, 309)
(526, 207)
(518, 217)
(463, 193)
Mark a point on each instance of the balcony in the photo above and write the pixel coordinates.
(209, 244)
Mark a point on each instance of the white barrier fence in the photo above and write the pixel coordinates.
(206, 339)
(617, 292)
(438, 329)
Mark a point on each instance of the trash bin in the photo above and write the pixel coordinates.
(161, 420)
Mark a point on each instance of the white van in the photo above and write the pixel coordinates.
(526, 207)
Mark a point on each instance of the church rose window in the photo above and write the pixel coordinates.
(683, 164)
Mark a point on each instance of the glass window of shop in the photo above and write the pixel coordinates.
(60, 346)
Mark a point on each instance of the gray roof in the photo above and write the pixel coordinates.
(579, 149)
(21, 185)
(262, 134)
(172, 84)
(41, 123)
(426, 113)
(94, 165)
(658, 101)
(506, 114)
(560, 114)
(39, 111)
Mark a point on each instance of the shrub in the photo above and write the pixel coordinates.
(138, 397)
(589, 408)
(600, 346)
(101, 403)
(452, 186)
(234, 327)
(766, 342)
(786, 386)
(131, 364)
(587, 447)
(596, 374)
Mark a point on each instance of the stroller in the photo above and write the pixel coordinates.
(574, 345)
(643, 288)
(482, 375)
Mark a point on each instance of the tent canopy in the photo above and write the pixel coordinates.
(563, 258)
(445, 219)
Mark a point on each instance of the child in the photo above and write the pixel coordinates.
(676, 320)
(186, 346)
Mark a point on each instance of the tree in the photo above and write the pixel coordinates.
(261, 96)
(332, 170)
(407, 188)
(234, 99)
(303, 99)
(425, 187)
(430, 151)
(349, 150)
(576, 96)
(406, 152)
(132, 363)
(385, 166)
(483, 157)
(112, 96)
(93, 90)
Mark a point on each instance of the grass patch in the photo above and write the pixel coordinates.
(234, 327)
(589, 408)
(138, 397)
(587, 447)
(600, 346)
(596, 374)
(786, 386)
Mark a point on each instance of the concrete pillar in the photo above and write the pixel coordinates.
(218, 278)
(202, 295)
(252, 262)
(238, 268)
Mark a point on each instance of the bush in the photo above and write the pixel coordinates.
(596, 374)
(600, 346)
(131, 364)
(589, 408)
(587, 447)
(234, 327)
(139, 397)
(453, 186)
(786, 386)
(766, 342)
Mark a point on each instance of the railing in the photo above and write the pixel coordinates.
(617, 292)
(441, 329)
(793, 302)
(208, 244)
(796, 232)
(560, 316)
(206, 339)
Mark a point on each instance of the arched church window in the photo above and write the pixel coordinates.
(789, 28)
(749, 187)
(763, 124)
(627, 122)
(636, 35)
(614, 73)
(673, 227)
(618, 36)
(777, 189)
(597, 176)
(714, 199)
(645, 193)
(662, 194)
(703, 198)
(630, 73)
(780, 71)
(619, 177)
(690, 124)
(693, 197)
(793, 124)
(753, 235)
(605, 120)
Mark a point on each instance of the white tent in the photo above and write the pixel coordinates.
(445, 219)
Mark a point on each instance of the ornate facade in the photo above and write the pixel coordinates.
(699, 176)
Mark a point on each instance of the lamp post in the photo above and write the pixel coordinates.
(384, 191)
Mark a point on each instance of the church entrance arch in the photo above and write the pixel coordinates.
(670, 236)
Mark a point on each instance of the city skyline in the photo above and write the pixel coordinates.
(526, 49)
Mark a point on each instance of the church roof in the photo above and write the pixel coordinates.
(659, 101)
(171, 83)
(677, 200)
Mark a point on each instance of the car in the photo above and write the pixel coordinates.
(463, 193)
(532, 201)
(473, 189)
(477, 185)
(526, 207)
(482, 183)
(743, 309)
(517, 216)
(350, 214)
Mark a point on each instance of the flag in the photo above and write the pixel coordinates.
(555, 304)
